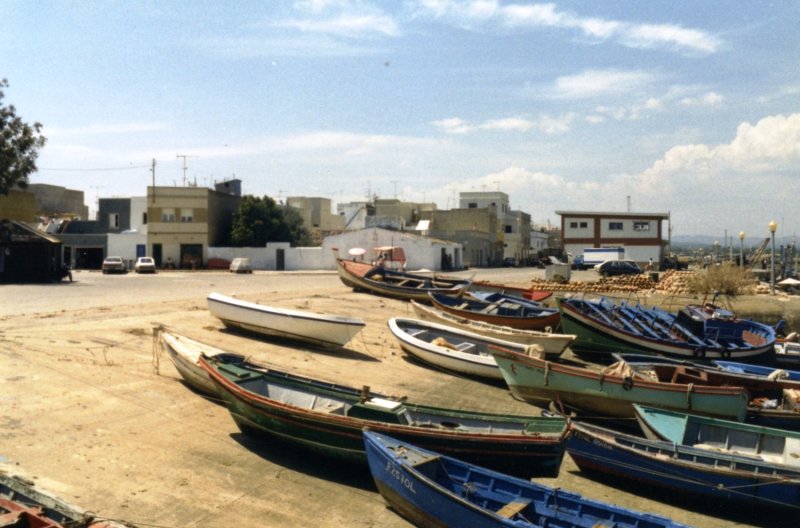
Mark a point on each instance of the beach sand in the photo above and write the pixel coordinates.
(92, 411)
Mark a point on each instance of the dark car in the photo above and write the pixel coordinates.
(509, 262)
(578, 263)
(618, 267)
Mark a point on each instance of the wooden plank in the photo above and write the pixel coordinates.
(513, 507)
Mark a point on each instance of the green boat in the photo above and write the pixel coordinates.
(777, 446)
(329, 418)
(613, 391)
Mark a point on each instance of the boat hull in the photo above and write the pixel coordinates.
(427, 489)
(356, 278)
(598, 335)
(540, 382)
(552, 344)
(471, 360)
(532, 446)
(548, 320)
(309, 327)
(683, 469)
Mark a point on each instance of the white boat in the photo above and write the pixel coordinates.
(451, 348)
(310, 327)
(553, 344)
(185, 354)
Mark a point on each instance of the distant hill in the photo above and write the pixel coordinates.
(696, 241)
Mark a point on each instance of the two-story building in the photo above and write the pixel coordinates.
(182, 222)
(641, 234)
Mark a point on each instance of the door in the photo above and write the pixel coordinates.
(157, 254)
(191, 256)
(280, 259)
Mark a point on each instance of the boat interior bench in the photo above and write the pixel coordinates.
(513, 507)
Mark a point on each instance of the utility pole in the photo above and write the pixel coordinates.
(153, 170)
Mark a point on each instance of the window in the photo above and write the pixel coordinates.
(507, 229)
(113, 220)
(641, 226)
(168, 215)
(576, 225)
(573, 225)
(472, 205)
(615, 226)
(144, 218)
(187, 216)
(584, 225)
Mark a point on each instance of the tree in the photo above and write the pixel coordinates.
(298, 234)
(19, 146)
(261, 220)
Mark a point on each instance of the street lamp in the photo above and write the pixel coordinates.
(773, 226)
(741, 248)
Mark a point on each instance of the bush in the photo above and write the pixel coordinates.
(726, 279)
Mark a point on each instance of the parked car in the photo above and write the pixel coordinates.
(145, 265)
(114, 265)
(618, 267)
(578, 264)
(241, 265)
(509, 262)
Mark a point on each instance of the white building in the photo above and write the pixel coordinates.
(641, 234)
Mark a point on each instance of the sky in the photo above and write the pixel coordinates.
(682, 107)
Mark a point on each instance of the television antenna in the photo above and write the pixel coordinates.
(184, 156)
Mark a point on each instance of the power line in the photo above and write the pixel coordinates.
(97, 170)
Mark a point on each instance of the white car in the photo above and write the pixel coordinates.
(145, 265)
(241, 265)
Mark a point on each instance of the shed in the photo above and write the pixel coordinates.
(29, 255)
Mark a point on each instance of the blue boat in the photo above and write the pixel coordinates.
(430, 489)
(757, 370)
(695, 332)
(726, 475)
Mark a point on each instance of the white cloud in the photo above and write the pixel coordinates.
(453, 125)
(511, 123)
(594, 83)
(657, 35)
(668, 36)
(347, 25)
(707, 99)
(545, 123)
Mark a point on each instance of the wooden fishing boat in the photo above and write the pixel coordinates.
(328, 418)
(694, 332)
(299, 325)
(431, 489)
(23, 505)
(513, 291)
(397, 284)
(742, 478)
(504, 311)
(613, 390)
(553, 344)
(787, 352)
(773, 402)
(185, 355)
(757, 370)
(723, 437)
(450, 348)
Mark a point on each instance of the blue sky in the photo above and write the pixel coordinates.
(686, 107)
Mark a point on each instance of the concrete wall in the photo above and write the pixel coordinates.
(301, 258)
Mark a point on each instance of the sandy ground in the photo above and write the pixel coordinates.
(91, 411)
